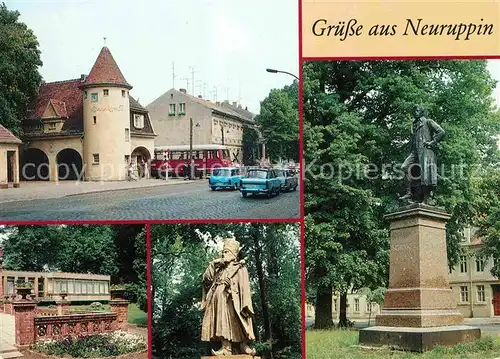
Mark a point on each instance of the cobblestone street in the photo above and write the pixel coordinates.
(187, 200)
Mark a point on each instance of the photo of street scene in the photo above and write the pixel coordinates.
(402, 208)
(119, 127)
(73, 291)
(231, 290)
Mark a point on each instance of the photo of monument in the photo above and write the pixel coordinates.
(226, 290)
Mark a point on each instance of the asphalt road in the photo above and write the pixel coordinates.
(184, 201)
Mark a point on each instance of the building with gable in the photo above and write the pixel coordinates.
(214, 123)
(9, 158)
(87, 128)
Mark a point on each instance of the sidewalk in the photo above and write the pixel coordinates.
(45, 190)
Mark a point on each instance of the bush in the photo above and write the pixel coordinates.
(93, 346)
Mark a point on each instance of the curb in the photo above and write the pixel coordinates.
(124, 189)
(97, 191)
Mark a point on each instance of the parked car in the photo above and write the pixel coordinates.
(224, 178)
(260, 181)
(289, 180)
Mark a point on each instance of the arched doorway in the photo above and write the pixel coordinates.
(34, 165)
(69, 165)
(141, 161)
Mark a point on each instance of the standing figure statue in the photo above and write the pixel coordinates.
(227, 301)
(420, 167)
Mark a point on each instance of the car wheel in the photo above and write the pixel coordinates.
(278, 191)
(235, 186)
(213, 188)
(295, 188)
(244, 194)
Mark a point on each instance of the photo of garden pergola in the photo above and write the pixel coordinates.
(73, 290)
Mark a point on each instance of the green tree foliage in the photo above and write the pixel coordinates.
(19, 62)
(251, 146)
(488, 219)
(180, 255)
(278, 122)
(119, 251)
(357, 122)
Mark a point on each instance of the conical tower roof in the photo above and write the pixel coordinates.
(105, 72)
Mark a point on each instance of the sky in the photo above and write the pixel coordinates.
(228, 43)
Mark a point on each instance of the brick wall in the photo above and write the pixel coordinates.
(120, 308)
(24, 313)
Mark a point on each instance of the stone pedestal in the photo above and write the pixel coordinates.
(419, 309)
(63, 307)
(24, 314)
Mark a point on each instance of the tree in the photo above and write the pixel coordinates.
(357, 122)
(251, 145)
(278, 122)
(19, 62)
(119, 251)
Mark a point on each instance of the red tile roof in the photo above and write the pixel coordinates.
(59, 107)
(67, 99)
(105, 71)
(7, 137)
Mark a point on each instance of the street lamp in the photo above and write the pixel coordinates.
(273, 71)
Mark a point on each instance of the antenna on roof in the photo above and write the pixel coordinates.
(173, 75)
(104, 41)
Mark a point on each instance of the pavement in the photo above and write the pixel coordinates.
(30, 190)
(7, 337)
(152, 199)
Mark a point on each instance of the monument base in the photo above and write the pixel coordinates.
(417, 339)
(236, 356)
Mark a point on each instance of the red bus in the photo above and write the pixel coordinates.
(205, 157)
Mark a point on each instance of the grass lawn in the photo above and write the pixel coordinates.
(328, 344)
(135, 315)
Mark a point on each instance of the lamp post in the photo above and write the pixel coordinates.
(273, 71)
(191, 159)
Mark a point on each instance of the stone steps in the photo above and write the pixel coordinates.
(9, 352)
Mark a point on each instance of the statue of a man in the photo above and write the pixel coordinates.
(227, 301)
(420, 167)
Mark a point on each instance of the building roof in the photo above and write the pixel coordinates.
(136, 107)
(245, 116)
(67, 99)
(7, 137)
(105, 72)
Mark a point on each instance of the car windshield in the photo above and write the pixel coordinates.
(257, 174)
(221, 172)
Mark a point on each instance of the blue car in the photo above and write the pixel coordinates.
(260, 181)
(225, 178)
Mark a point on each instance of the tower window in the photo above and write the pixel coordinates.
(95, 97)
(123, 93)
(96, 158)
(106, 92)
(127, 135)
(95, 120)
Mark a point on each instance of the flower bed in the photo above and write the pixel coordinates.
(93, 346)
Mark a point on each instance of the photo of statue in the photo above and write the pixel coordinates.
(227, 301)
(420, 166)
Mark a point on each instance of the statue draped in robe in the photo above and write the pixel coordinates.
(227, 301)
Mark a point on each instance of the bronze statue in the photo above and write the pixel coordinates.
(420, 167)
(227, 301)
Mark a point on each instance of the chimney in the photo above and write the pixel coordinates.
(235, 103)
(246, 108)
(83, 77)
(183, 91)
(217, 103)
(199, 96)
(239, 106)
